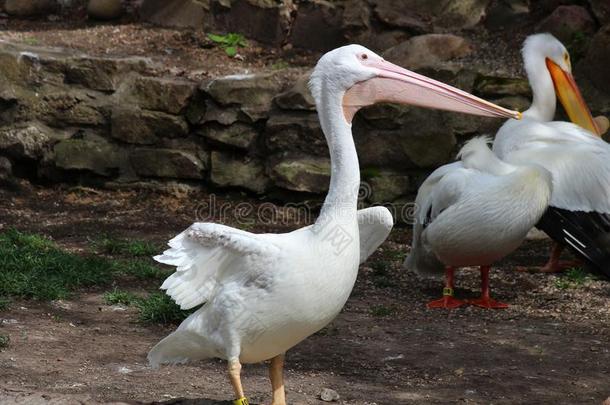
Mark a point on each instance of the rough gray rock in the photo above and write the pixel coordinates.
(297, 97)
(596, 62)
(428, 50)
(239, 135)
(160, 94)
(386, 186)
(317, 26)
(228, 170)
(133, 125)
(295, 132)
(601, 9)
(567, 21)
(91, 153)
(29, 140)
(174, 13)
(6, 170)
(252, 92)
(420, 16)
(304, 173)
(329, 395)
(105, 9)
(170, 163)
(25, 8)
(502, 14)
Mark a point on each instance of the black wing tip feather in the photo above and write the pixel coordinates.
(587, 234)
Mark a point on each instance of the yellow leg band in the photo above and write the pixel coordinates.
(448, 292)
(241, 401)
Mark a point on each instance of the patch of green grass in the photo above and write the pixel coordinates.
(572, 278)
(382, 310)
(5, 340)
(116, 296)
(34, 267)
(280, 64)
(31, 41)
(229, 42)
(381, 276)
(141, 270)
(370, 172)
(160, 308)
(3, 303)
(133, 248)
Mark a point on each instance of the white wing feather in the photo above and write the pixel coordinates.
(374, 224)
(201, 253)
(578, 161)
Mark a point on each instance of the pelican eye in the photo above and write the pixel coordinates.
(364, 56)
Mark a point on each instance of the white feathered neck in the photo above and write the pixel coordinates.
(535, 50)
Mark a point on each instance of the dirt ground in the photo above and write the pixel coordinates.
(550, 347)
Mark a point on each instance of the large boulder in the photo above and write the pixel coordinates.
(428, 50)
(91, 153)
(304, 173)
(503, 14)
(133, 125)
(169, 163)
(105, 9)
(103, 74)
(567, 21)
(26, 8)
(229, 170)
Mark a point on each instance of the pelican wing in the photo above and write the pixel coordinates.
(375, 224)
(578, 161)
(437, 193)
(201, 254)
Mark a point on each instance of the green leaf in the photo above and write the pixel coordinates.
(231, 51)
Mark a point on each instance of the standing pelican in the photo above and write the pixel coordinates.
(261, 294)
(474, 212)
(574, 153)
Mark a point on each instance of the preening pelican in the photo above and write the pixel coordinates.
(472, 213)
(261, 294)
(578, 159)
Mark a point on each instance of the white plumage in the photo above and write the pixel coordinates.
(261, 294)
(475, 211)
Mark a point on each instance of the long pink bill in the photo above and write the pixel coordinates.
(394, 84)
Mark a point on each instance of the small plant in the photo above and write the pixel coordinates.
(5, 340)
(160, 308)
(382, 310)
(31, 41)
(118, 297)
(280, 64)
(572, 278)
(229, 42)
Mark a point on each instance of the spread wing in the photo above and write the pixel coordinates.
(201, 254)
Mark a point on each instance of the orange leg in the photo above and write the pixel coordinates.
(447, 301)
(554, 265)
(485, 301)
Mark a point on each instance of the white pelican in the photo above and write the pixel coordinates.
(576, 156)
(261, 294)
(474, 212)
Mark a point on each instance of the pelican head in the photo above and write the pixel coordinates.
(361, 77)
(545, 57)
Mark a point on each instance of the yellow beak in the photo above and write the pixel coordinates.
(570, 97)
